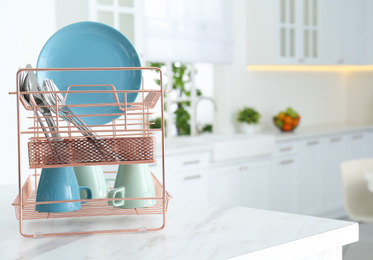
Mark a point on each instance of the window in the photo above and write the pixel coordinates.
(189, 107)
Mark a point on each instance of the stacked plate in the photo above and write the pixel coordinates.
(88, 45)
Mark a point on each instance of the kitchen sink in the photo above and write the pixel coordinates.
(238, 146)
(227, 147)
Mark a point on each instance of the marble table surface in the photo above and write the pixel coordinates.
(194, 230)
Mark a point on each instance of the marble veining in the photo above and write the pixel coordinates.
(194, 230)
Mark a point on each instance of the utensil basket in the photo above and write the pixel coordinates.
(126, 139)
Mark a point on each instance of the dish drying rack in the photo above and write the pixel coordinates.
(126, 140)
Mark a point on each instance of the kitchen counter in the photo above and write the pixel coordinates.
(311, 131)
(180, 145)
(194, 230)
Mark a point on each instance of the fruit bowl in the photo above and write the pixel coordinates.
(287, 120)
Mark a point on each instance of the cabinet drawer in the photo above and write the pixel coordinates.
(287, 148)
(183, 162)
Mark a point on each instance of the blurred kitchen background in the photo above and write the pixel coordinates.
(311, 55)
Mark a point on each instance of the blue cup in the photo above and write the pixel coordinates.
(59, 184)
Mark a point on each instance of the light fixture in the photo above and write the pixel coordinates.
(336, 68)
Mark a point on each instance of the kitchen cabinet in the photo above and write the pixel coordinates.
(283, 32)
(332, 157)
(225, 184)
(302, 175)
(283, 177)
(346, 21)
(327, 32)
(190, 185)
(297, 35)
(282, 184)
(368, 144)
(241, 183)
(354, 146)
(254, 184)
(309, 176)
(365, 27)
(188, 175)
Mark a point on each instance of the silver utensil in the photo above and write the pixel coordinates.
(31, 84)
(23, 77)
(53, 99)
(50, 99)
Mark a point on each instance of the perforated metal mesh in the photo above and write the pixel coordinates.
(89, 151)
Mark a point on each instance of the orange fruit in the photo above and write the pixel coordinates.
(295, 122)
(281, 116)
(287, 127)
(288, 120)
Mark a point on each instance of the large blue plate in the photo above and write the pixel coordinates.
(91, 44)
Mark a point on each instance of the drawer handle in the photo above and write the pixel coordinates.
(191, 162)
(192, 177)
(313, 143)
(333, 140)
(287, 162)
(357, 136)
(285, 149)
(244, 168)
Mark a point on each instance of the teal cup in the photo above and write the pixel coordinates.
(59, 184)
(93, 178)
(133, 181)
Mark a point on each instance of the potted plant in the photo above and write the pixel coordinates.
(248, 118)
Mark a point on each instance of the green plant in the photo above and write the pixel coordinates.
(181, 77)
(248, 115)
(156, 123)
(207, 128)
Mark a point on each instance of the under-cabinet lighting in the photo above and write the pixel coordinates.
(310, 67)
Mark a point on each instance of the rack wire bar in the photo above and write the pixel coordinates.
(94, 207)
(126, 140)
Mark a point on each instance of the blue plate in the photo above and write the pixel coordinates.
(91, 44)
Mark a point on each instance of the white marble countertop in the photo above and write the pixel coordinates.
(193, 230)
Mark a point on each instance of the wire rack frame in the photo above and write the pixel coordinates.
(111, 137)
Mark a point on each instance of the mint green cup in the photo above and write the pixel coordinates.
(133, 181)
(92, 177)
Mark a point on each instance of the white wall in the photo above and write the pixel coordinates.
(24, 28)
(359, 96)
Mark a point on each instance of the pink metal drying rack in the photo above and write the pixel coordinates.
(126, 140)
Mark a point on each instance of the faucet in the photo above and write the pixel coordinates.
(199, 131)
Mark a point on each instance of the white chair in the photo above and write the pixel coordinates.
(357, 198)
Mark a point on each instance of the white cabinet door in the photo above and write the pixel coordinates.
(190, 185)
(332, 157)
(354, 146)
(254, 184)
(187, 175)
(366, 23)
(346, 31)
(282, 184)
(368, 144)
(225, 184)
(297, 36)
(309, 177)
